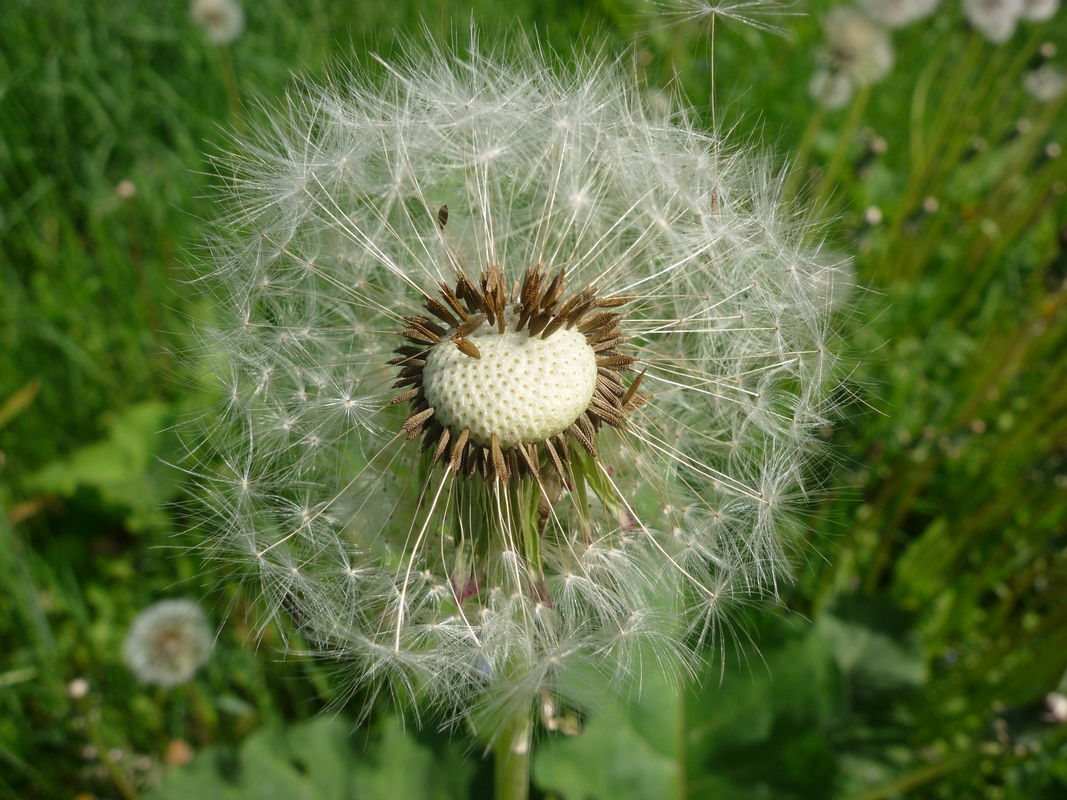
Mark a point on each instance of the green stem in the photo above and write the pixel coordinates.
(844, 145)
(512, 754)
(233, 99)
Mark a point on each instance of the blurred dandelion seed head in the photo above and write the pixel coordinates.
(519, 376)
(855, 46)
(222, 20)
(831, 89)
(898, 13)
(994, 19)
(1039, 10)
(168, 642)
(1045, 83)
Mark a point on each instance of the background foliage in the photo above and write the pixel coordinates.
(928, 622)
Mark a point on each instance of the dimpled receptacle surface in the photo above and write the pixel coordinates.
(523, 389)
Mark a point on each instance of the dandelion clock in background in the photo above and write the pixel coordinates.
(857, 52)
(898, 13)
(222, 20)
(994, 19)
(168, 642)
(519, 380)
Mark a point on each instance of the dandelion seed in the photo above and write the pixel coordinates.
(222, 20)
(168, 642)
(616, 331)
(754, 13)
(898, 13)
(994, 19)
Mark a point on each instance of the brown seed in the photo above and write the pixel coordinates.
(628, 397)
(440, 310)
(407, 361)
(442, 216)
(410, 381)
(468, 348)
(411, 394)
(420, 335)
(601, 319)
(472, 324)
(539, 322)
(615, 362)
(613, 302)
(555, 289)
(528, 459)
(451, 299)
(583, 440)
(413, 424)
(553, 456)
(431, 433)
(442, 444)
(578, 312)
(457, 451)
(500, 467)
(609, 344)
(424, 324)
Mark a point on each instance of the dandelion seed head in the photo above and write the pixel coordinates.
(222, 20)
(831, 89)
(898, 13)
(1045, 83)
(1039, 10)
(994, 19)
(855, 46)
(168, 642)
(565, 359)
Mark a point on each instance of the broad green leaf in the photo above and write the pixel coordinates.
(321, 760)
(625, 751)
(126, 468)
(869, 656)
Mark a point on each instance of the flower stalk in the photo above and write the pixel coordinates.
(512, 758)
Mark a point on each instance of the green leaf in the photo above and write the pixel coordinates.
(127, 468)
(624, 751)
(321, 760)
(871, 657)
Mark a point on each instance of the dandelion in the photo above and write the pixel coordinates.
(831, 89)
(168, 642)
(520, 379)
(898, 13)
(857, 53)
(222, 20)
(994, 19)
(1045, 83)
(1039, 10)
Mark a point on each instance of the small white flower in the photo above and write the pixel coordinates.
(898, 13)
(1045, 83)
(856, 47)
(831, 89)
(995, 19)
(168, 642)
(1039, 10)
(222, 20)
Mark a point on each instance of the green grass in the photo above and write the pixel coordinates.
(929, 618)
